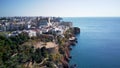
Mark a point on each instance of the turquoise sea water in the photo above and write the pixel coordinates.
(98, 43)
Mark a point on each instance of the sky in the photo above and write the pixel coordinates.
(62, 8)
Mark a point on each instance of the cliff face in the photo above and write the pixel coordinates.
(66, 56)
(76, 30)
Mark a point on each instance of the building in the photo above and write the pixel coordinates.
(42, 23)
(31, 33)
(45, 22)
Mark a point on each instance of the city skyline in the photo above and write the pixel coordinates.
(61, 8)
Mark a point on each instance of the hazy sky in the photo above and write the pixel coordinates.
(64, 8)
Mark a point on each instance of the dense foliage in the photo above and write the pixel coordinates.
(13, 54)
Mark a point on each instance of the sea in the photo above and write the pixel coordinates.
(98, 43)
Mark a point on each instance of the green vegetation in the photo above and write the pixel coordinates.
(63, 40)
(45, 38)
(13, 54)
(11, 51)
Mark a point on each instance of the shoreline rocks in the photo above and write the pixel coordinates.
(72, 41)
(76, 30)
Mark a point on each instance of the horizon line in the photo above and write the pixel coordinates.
(59, 16)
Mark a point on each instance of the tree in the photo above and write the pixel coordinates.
(50, 64)
(38, 56)
(44, 52)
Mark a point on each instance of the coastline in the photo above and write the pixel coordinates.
(71, 42)
(48, 46)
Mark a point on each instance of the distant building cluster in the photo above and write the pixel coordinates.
(33, 26)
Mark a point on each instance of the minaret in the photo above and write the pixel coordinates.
(49, 20)
(49, 23)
